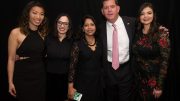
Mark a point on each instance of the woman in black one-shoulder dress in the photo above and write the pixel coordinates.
(26, 74)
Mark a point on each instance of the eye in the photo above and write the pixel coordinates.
(113, 6)
(105, 7)
(149, 12)
(42, 14)
(34, 12)
(92, 24)
(142, 13)
(62, 23)
(85, 25)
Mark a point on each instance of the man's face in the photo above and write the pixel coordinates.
(110, 10)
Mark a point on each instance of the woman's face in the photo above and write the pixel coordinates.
(89, 27)
(36, 16)
(146, 16)
(63, 25)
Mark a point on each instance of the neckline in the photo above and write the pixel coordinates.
(90, 44)
(33, 30)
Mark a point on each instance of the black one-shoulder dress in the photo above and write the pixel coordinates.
(29, 74)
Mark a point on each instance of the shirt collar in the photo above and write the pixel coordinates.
(117, 22)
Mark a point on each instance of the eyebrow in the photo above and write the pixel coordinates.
(63, 21)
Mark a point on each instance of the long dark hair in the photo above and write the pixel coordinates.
(69, 31)
(153, 26)
(81, 33)
(24, 19)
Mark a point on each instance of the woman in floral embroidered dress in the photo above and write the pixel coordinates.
(151, 53)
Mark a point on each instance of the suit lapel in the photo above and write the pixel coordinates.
(128, 25)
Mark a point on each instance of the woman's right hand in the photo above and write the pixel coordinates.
(71, 92)
(12, 89)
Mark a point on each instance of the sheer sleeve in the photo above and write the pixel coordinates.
(73, 62)
(164, 44)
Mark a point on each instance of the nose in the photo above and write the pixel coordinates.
(89, 26)
(109, 9)
(146, 15)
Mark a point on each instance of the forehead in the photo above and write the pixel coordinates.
(87, 20)
(63, 18)
(147, 9)
(109, 2)
(37, 8)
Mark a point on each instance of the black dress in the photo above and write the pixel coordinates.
(29, 74)
(85, 71)
(151, 54)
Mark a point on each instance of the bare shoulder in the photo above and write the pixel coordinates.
(15, 32)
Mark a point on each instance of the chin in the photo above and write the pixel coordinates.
(62, 32)
(37, 24)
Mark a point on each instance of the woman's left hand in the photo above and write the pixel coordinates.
(157, 93)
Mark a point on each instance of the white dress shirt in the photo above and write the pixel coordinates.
(123, 40)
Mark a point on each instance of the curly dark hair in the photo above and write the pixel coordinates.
(24, 19)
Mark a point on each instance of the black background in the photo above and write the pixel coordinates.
(167, 12)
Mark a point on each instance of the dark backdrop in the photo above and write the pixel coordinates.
(167, 11)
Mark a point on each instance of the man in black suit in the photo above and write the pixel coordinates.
(118, 81)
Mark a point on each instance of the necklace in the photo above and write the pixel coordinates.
(90, 44)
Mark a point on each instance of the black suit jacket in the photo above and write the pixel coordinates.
(122, 74)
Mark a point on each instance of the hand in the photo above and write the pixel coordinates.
(12, 89)
(157, 93)
(164, 30)
(71, 92)
(17, 57)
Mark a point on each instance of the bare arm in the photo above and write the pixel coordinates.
(71, 90)
(12, 46)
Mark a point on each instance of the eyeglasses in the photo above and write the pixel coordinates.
(60, 23)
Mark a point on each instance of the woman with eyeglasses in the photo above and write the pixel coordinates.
(58, 46)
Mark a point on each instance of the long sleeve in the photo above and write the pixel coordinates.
(73, 62)
(164, 45)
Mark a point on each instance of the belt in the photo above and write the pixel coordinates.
(25, 57)
(22, 58)
(121, 65)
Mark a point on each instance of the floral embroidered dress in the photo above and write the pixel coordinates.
(151, 54)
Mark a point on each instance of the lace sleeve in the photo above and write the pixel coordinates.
(73, 61)
(164, 44)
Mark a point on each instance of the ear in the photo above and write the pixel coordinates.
(118, 8)
(102, 11)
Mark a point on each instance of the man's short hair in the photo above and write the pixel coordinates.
(116, 1)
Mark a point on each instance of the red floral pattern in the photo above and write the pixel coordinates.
(151, 58)
(152, 82)
(144, 42)
(163, 43)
